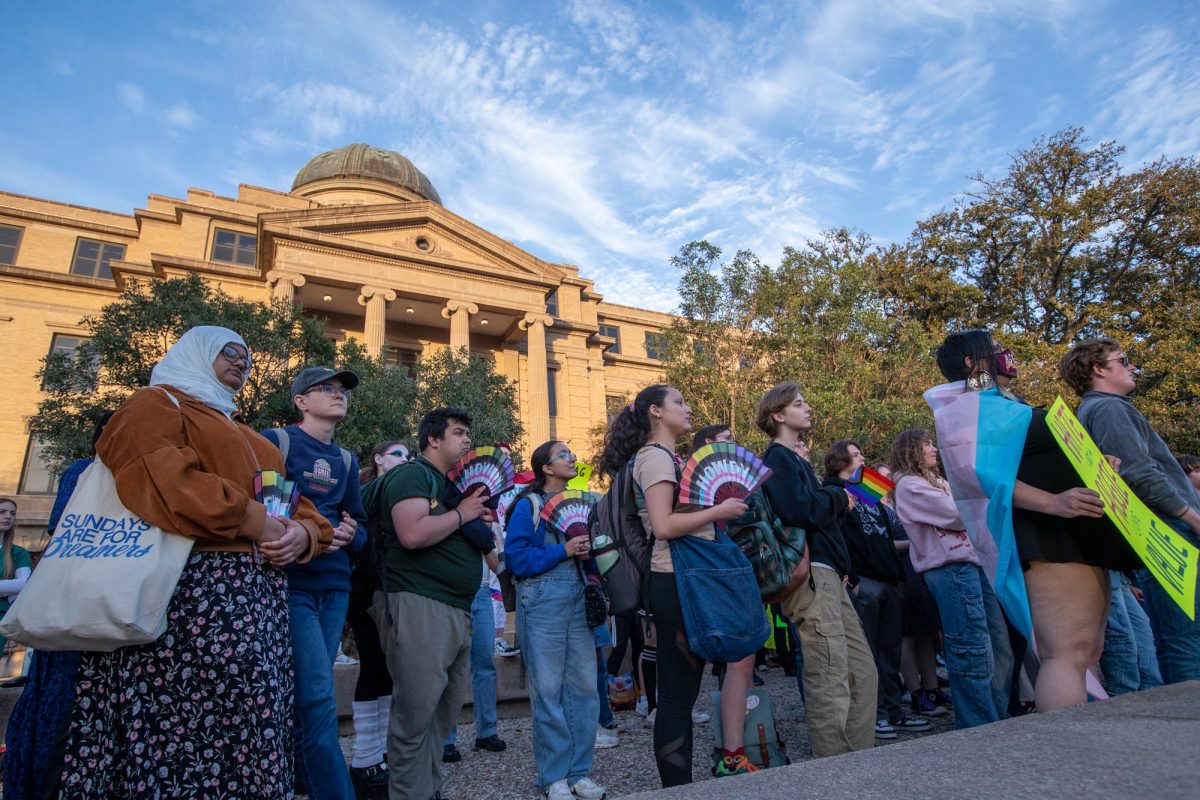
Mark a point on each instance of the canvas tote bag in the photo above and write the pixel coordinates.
(105, 578)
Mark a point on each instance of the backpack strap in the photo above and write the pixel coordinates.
(347, 459)
(285, 442)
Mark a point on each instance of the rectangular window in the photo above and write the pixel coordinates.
(10, 243)
(552, 304)
(552, 390)
(612, 331)
(401, 358)
(92, 258)
(233, 247)
(36, 477)
(68, 344)
(656, 345)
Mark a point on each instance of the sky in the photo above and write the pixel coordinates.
(600, 133)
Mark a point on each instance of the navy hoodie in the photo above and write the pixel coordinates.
(323, 480)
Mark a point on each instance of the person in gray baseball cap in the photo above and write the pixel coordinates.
(318, 596)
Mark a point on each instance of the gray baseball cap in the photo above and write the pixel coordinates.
(311, 376)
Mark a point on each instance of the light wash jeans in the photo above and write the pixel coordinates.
(560, 657)
(316, 620)
(1129, 662)
(979, 657)
(483, 666)
(1176, 637)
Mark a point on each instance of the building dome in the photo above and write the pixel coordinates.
(370, 163)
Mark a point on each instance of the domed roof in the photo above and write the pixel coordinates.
(365, 161)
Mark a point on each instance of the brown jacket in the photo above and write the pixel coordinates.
(190, 470)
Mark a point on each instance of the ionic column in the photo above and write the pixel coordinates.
(284, 284)
(376, 299)
(459, 313)
(539, 396)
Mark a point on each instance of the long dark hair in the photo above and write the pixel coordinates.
(977, 345)
(538, 461)
(630, 429)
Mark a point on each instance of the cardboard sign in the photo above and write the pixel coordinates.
(583, 474)
(1171, 559)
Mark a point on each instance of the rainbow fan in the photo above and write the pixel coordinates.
(719, 471)
(567, 512)
(486, 467)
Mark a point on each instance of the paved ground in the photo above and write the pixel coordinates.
(625, 769)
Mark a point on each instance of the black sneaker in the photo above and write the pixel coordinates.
(370, 783)
(493, 744)
(450, 754)
(912, 724)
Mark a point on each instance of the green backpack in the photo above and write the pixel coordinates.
(773, 549)
(763, 746)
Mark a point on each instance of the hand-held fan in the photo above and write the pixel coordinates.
(486, 467)
(566, 513)
(868, 485)
(719, 471)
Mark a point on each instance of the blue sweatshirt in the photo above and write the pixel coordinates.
(525, 550)
(321, 471)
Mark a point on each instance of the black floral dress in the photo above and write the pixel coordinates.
(203, 712)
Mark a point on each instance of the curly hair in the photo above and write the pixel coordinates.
(630, 429)
(908, 457)
(1075, 368)
(1189, 464)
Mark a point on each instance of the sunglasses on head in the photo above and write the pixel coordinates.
(235, 356)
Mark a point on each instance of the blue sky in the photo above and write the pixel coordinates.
(601, 133)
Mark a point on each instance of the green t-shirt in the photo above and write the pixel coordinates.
(449, 571)
(20, 557)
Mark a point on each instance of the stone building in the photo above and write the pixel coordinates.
(362, 239)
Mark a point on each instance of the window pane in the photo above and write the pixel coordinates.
(36, 477)
(92, 257)
(10, 238)
(246, 249)
(112, 252)
(552, 390)
(614, 332)
(552, 304)
(656, 346)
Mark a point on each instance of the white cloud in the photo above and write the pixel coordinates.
(181, 116)
(132, 97)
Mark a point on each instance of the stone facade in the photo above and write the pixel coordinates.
(374, 252)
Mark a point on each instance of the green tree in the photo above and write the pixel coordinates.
(456, 379)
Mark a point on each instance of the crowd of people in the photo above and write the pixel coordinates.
(991, 555)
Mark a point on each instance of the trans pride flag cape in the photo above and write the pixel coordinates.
(981, 436)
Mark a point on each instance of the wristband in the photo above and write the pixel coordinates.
(460, 519)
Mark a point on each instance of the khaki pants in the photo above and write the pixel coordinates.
(840, 684)
(428, 652)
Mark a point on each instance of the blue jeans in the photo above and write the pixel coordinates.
(483, 666)
(1129, 662)
(316, 620)
(1177, 638)
(560, 656)
(979, 658)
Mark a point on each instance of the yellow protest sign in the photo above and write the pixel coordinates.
(583, 474)
(1171, 559)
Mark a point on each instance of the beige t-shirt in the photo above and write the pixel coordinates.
(654, 465)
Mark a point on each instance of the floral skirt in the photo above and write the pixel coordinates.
(203, 712)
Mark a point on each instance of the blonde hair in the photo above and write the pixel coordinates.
(9, 535)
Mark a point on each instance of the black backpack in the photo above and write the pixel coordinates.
(617, 528)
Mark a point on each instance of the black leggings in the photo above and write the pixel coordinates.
(679, 675)
(629, 635)
(374, 680)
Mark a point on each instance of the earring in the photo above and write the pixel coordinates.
(980, 381)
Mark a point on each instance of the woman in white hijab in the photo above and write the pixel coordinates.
(204, 711)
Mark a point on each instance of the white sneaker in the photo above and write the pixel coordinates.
(605, 738)
(342, 658)
(699, 717)
(559, 791)
(588, 789)
(649, 722)
(642, 708)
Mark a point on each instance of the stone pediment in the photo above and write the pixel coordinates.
(419, 232)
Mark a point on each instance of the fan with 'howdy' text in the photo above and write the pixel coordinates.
(719, 471)
(566, 513)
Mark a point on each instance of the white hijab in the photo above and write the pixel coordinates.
(188, 366)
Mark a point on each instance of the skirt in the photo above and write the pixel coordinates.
(204, 711)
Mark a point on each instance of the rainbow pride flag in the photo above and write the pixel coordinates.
(868, 485)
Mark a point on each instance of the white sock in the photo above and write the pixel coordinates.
(366, 734)
(384, 704)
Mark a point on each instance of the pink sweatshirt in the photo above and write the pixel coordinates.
(931, 519)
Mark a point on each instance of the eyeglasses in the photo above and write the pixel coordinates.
(565, 455)
(329, 389)
(235, 356)
(1123, 359)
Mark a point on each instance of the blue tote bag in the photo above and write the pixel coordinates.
(719, 598)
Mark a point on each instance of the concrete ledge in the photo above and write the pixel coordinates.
(1139, 745)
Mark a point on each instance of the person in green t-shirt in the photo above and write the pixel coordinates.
(431, 569)
(15, 566)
